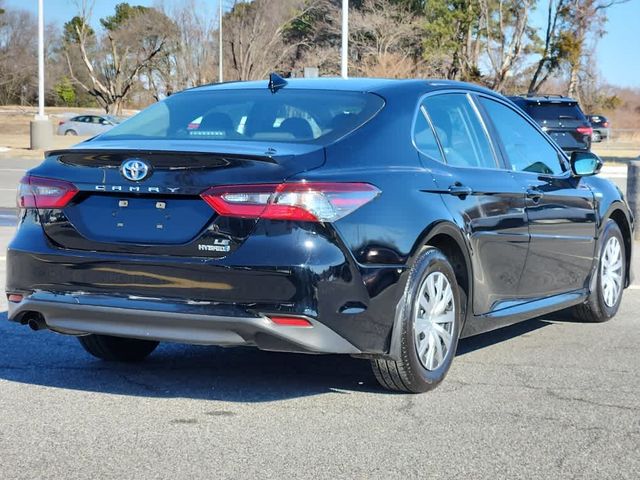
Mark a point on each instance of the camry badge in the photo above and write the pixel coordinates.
(135, 169)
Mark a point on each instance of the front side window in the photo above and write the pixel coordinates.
(295, 115)
(460, 131)
(527, 150)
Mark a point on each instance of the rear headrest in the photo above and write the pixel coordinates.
(298, 127)
(216, 121)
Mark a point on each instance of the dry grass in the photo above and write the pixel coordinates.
(14, 130)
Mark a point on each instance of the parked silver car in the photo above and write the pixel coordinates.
(88, 124)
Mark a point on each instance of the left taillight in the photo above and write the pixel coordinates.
(39, 192)
(301, 201)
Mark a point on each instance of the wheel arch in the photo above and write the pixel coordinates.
(618, 215)
(449, 239)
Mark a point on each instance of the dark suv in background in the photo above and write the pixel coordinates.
(562, 119)
(601, 126)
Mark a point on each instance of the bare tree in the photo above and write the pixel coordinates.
(17, 56)
(193, 60)
(113, 62)
(553, 50)
(587, 17)
(506, 27)
(254, 36)
(386, 37)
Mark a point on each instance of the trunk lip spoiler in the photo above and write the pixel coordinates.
(144, 152)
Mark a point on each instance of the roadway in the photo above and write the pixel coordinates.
(548, 398)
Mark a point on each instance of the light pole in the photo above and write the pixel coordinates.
(345, 39)
(41, 130)
(41, 115)
(220, 75)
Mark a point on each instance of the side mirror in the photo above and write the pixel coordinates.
(584, 164)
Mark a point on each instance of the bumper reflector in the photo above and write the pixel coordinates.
(14, 297)
(291, 321)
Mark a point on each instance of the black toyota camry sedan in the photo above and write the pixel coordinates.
(383, 219)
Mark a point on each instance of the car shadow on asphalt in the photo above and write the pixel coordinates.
(484, 340)
(198, 372)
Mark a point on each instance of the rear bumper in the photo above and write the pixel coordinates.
(164, 321)
(298, 272)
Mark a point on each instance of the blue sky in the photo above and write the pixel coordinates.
(618, 54)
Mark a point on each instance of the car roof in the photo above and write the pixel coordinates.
(374, 85)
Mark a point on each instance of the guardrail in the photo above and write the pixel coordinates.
(627, 137)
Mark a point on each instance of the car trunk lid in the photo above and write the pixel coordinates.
(163, 212)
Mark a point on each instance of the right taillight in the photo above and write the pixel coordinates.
(301, 201)
(585, 130)
(39, 192)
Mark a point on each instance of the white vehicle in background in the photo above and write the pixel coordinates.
(88, 124)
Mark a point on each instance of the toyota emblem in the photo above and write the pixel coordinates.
(135, 169)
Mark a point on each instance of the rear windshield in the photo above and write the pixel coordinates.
(555, 111)
(304, 116)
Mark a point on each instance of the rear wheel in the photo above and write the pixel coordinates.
(117, 349)
(597, 136)
(604, 300)
(430, 322)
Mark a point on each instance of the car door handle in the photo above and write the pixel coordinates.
(459, 190)
(534, 194)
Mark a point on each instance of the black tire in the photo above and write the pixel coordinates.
(597, 137)
(408, 374)
(595, 308)
(117, 349)
(71, 132)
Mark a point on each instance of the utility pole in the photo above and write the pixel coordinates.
(220, 75)
(345, 39)
(41, 129)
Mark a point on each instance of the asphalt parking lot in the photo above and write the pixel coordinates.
(548, 398)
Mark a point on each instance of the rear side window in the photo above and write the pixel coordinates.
(460, 131)
(555, 111)
(424, 137)
(303, 116)
(526, 148)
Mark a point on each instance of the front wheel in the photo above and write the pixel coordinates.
(430, 319)
(604, 300)
(117, 349)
